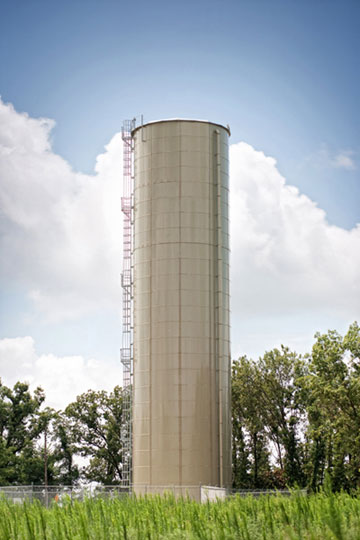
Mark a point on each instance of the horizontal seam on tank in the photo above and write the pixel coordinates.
(171, 213)
(175, 167)
(165, 182)
(192, 227)
(159, 259)
(174, 198)
(167, 137)
(176, 243)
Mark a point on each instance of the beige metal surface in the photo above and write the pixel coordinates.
(181, 402)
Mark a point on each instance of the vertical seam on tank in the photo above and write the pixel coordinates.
(215, 329)
(211, 358)
(180, 314)
(220, 306)
(228, 346)
(216, 297)
(150, 313)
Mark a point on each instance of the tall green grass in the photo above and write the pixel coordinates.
(314, 517)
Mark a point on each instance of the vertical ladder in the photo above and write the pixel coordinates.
(126, 353)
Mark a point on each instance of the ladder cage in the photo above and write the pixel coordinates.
(127, 283)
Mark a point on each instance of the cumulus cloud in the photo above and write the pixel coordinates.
(60, 230)
(62, 378)
(286, 258)
(61, 238)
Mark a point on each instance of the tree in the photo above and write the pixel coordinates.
(95, 421)
(250, 454)
(20, 460)
(333, 384)
(268, 409)
(66, 470)
(282, 408)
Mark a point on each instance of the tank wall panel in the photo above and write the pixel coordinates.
(181, 411)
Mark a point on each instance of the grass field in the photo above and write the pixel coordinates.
(268, 517)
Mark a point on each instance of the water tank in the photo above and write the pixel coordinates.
(181, 393)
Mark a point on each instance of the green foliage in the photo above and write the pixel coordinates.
(320, 516)
(333, 388)
(296, 420)
(94, 423)
(250, 455)
(303, 411)
(267, 408)
(282, 408)
(20, 461)
(64, 451)
(23, 425)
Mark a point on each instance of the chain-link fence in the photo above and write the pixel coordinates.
(259, 492)
(49, 494)
(57, 494)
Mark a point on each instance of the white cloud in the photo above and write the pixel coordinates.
(324, 158)
(287, 261)
(285, 255)
(343, 160)
(60, 230)
(62, 378)
(61, 237)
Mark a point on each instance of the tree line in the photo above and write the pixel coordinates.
(38, 444)
(296, 420)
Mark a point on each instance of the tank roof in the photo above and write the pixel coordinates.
(227, 127)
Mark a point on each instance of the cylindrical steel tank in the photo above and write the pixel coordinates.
(181, 395)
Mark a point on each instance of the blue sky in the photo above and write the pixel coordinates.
(283, 74)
